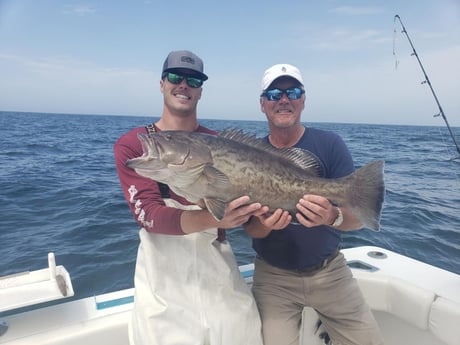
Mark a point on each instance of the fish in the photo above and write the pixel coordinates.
(212, 170)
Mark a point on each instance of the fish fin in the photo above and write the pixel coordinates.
(216, 207)
(368, 188)
(239, 135)
(200, 203)
(304, 159)
(214, 176)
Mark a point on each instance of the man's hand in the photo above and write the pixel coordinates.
(261, 225)
(239, 211)
(275, 221)
(315, 210)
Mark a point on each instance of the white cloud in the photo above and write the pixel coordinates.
(80, 10)
(377, 93)
(62, 84)
(343, 39)
(357, 11)
(364, 92)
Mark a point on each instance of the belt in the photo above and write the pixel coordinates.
(319, 265)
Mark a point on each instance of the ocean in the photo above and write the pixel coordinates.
(60, 193)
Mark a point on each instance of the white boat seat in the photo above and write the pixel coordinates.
(443, 321)
(400, 298)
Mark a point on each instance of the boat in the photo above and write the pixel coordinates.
(414, 303)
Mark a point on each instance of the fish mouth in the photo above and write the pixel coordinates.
(154, 151)
(150, 147)
(150, 151)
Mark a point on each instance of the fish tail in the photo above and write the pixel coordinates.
(368, 190)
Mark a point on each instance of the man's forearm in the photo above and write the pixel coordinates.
(197, 220)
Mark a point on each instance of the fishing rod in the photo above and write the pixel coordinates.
(427, 81)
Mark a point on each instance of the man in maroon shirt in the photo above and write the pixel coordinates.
(188, 289)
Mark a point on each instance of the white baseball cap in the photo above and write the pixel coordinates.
(280, 70)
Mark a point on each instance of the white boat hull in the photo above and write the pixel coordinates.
(414, 303)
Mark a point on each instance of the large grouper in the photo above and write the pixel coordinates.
(212, 170)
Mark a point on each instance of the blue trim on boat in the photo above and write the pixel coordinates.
(114, 302)
(247, 274)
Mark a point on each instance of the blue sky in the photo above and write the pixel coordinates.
(105, 57)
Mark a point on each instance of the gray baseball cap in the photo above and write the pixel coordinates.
(184, 59)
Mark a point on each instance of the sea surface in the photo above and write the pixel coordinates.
(59, 192)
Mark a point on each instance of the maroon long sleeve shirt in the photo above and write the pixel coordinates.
(142, 193)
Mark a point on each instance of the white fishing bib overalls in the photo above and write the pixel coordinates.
(189, 291)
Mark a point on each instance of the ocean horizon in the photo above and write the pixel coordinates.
(150, 118)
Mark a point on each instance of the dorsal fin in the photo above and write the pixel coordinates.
(304, 159)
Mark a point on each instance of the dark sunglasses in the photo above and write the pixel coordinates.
(174, 78)
(276, 94)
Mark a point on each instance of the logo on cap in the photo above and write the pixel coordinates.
(187, 59)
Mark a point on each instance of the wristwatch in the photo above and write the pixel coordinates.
(339, 220)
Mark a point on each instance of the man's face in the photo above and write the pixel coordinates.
(285, 112)
(180, 98)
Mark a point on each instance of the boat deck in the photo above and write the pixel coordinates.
(413, 302)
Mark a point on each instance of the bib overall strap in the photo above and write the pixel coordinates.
(164, 189)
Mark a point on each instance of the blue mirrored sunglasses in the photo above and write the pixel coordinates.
(175, 78)
(276, 94)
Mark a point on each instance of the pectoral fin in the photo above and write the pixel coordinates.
(218, 182)
(216, 207)
(216, 178)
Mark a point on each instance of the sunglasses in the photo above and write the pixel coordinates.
(174, 78)
(276, 94)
